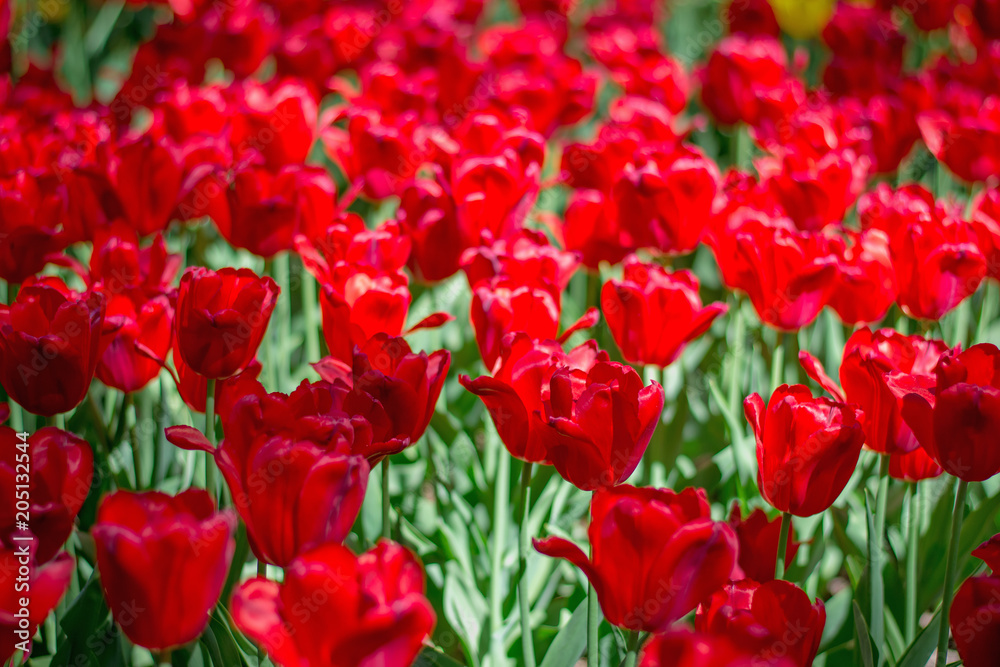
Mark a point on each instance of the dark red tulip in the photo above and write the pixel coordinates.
(758, 537)
(48, 583)
(592, 228)
(31, 217)
(807, 448)
(193, 387)
(655, 554)
(989, 553)
(347, 239)
(221, 318)
(956, 420)
(684, 648)
(119, 265)
(788, 275)
(50, 343)
(974, 621)
(866, 284)
(297, 486)
(867, 49)
(600, 423)
(406, 384)
(243, 33)
(62, 467)
(180, 537)
(135, 320)
(773, 620)
(751, 17)
(367, 610)
(514, 396)
(427, 212)
(654, 313)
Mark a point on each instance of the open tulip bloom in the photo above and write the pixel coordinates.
(499, 333)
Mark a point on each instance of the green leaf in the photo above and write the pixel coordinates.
(239, 559)
(876, 590)
(567, 647)
(227, 646)
(864, 641)
(923, 645)
(87, 611)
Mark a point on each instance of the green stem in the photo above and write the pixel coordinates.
(210, 434)
(271, 344)
(527, 638)
(779, 563)
(261, 572)
(912, 533)
(632, 641)
(133, 441)
(877, 594)
(744, 148)
(778, 361)
(951, 570)
(386, 526)
(501, 509)
(735, 394)
(282, 312)
(987, 311)
(309, 307)
(593, 627)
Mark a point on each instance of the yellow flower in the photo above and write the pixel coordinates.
(803, 18)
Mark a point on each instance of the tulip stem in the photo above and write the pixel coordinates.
(593, 627)
(778, 361)
(735, 394)
(527, 638)
(309, 306)
(779, 562)
(501, 510)
(986, 314)
(386, 529)
(912, 533)
(877, 593)
(133, 441)
(210, 434)
(950, 571)
(632, 654)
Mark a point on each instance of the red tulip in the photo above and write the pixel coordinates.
(526, 257)
(291, 469)
(406, 384)
(592, 228)
(773, 620)
(122, 365)
(243, 33)
(758, 537)
(866, 285)
(807, 448)
(275, 124)
(427, 212)
(367, 610)
(193, 387)
(956, 421)
(867, 49)
(913, 466)
(600, 423)
(503, 305)
(62, 467)
(989, 553)
(184, 540)
(221, 318)
(31, 216)
(146, 175)
(788, 275)
(656, 554)
(653, 313)
(986, 222)
(751, 17)
(684, 648)
(48, 583)
(966, 139)
(119, 265)
(739, 71)
(50, 344)
(514, 396)
(347, 239)
(974, 621)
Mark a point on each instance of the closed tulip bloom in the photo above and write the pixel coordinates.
(656, 554)
(62, 468)
(221, 318)
(986, 223)
(973, 618)
(179, 539)
(913, 466)
(807, 448)
(366, 610)
(147, 175)
(503, 305)
(48, 583)
(49, 346)
(684, 648)
(600, 423)
(866, 284)
(653, 313)
(758, 537)
(738, 72)
(135, 320)
(958, 420)
(757, 617)
(515, 395)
